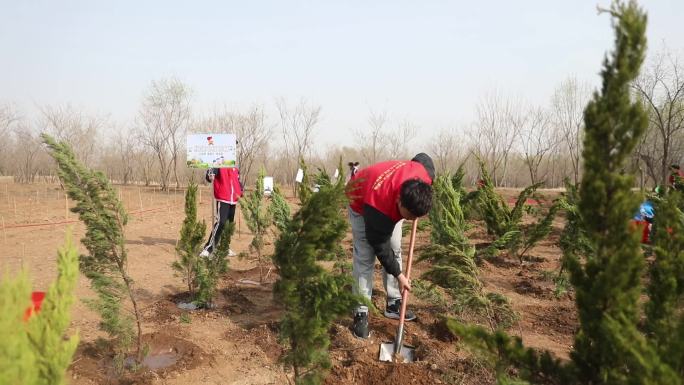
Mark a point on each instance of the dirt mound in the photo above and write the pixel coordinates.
(161, 312)
(167, 354)
(527, 287)
(384, 373)
(560, 320)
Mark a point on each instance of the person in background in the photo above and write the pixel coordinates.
(227, 192)
(381, 196)
(353, 168)
(676, 178)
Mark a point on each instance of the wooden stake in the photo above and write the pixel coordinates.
(140, 197)
(66, 207)
(4, 230)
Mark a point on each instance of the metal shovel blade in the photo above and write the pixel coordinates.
(406, 354)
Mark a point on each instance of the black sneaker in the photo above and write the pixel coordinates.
(392, 311)
(360, 326)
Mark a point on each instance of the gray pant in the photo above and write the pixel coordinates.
(364, 260)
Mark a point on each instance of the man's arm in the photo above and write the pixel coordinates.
(211, 174)
(379, 230)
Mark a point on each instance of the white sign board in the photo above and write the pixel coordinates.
(300, 176)
(336, 174)
(211, 150)
(268, 185)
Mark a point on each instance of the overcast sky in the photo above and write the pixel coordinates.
(426, 61)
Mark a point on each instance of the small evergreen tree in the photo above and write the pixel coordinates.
(200, 274)
(104, 216)
(209, 270)
(664, 312)
(36, 352)
(609, 346)
(573, 240)
(452, 259)
(258, 219)
(312, 297)
(304, 187)
(506, 223)
(468, 199)
(279, 210)
(190, 243)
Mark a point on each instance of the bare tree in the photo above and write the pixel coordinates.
(568, 103)
(164, 117)
(81, 131)
(400, 138)
(372, 142)
(126, 146)
(8, 119)
(538, 139)
(297, 127)
(497, 129)
(661, 89)
(26, 152)
(446, 149)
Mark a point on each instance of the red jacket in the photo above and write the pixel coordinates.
(379, 185)
(227, 186)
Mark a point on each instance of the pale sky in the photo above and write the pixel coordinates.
(426, 61)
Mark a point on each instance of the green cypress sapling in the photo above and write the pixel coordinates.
(304, 187)
(609, 347)
(664, 312)
(258, 219)
(210, 270)
(279, 210)
(105, 264)
(312, 297)
(452, 259)
(190, 243)
(36, 352)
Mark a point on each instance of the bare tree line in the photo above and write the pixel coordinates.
(519, 142)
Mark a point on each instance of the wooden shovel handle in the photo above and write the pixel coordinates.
(404, 295)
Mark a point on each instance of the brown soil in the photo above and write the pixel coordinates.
(235, 342)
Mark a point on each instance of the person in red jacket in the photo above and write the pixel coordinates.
(381, 196)
(227, 192)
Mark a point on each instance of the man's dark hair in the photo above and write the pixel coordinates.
(674, 166)
(416, 196)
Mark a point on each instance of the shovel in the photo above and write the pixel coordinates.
(390, 351)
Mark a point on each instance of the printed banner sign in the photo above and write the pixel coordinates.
(211, 150)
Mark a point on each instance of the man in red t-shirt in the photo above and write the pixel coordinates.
(381, 197)
(227, 192)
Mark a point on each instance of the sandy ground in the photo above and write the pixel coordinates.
(236, 343)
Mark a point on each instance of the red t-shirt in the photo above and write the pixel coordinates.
(380, 184)
(227, 185)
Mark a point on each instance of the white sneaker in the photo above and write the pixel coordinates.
(231, 253)
(204, 254)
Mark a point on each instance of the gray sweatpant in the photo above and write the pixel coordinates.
(364, 260)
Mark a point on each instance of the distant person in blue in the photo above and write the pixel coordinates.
(646, 212)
